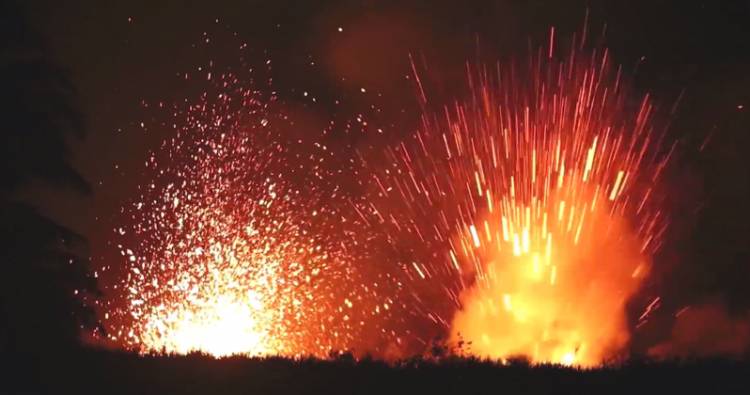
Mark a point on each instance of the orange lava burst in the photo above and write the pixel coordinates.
(532, 207)
(232, 247)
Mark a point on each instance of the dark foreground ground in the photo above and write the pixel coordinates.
(103, 372)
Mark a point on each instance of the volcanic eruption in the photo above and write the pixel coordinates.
(531, 208)
(235, 246)
(520, 220)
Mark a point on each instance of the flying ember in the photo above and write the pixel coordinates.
(229, 249)
(532, 208)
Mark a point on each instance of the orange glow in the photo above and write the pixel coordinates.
(533, 204)
(518, 222)
(230, 248)
(560, 296)
(553, 288)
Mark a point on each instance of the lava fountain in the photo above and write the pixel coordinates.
(230, 248)
(532, 207)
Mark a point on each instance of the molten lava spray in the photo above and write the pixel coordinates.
(532, 207)
(232, 247)
(518, 221)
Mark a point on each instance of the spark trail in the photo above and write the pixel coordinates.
(531, 209)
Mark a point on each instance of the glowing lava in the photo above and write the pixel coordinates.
(532, 207)
(231, 248)
(518, 221)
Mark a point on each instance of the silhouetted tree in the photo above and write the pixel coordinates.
(42, 264)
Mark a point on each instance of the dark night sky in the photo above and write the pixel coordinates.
(120, 53)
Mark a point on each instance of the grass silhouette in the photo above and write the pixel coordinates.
(92, 371)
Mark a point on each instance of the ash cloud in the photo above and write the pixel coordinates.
(707, 330)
